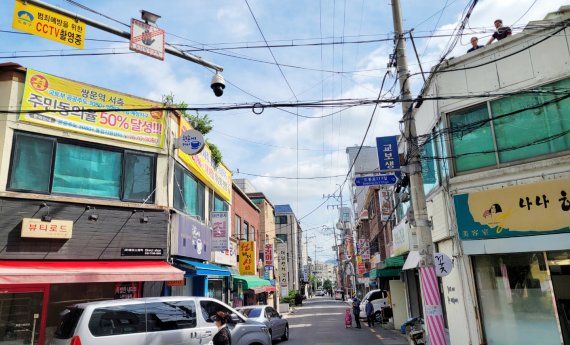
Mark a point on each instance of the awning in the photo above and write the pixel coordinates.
(396, 261)
(250, 282)
(201, 269)
(412, 261)
(388, 272)
(59, 272)
(262, 289)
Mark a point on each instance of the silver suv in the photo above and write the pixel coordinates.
(153, 321)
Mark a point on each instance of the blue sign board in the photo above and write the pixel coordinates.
(387, 148)
(375, 180)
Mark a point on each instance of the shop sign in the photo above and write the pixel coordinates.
(267, 272)
(364, 249)
(268, 254)
(282, 256)
(175, 283)
(402, 239)
(218, 178)
(387, 148)
(127, 290)
(141, 252)
(385, 205)
(220, 230)
(37, 228)
(524, 210)
(191, 238)
(90, 110)
(48, 24)
(247, 261)
(443, 264)
(147, 39)
(227, 257)
(191, 142)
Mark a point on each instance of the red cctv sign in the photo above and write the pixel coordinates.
(147, 39)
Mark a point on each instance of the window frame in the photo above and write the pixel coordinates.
(181, 190)
(97, 146)
(237, 226)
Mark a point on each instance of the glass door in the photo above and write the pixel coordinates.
(21, 316)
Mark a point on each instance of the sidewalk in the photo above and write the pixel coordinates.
(385, 331)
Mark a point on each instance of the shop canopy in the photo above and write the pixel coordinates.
(412, 261)
(61, 272)
(202, 269)
(251, 282)
(391, 267)
(262, 289)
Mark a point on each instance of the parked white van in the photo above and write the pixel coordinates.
(379, 299)
(153, 321)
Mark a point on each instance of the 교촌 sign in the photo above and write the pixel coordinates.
(191, 142)
(147, 39)
(36, 228)
(42, 22)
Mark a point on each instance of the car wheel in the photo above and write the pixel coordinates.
(378, 316)
(286, 333)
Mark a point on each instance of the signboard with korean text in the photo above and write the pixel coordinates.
(247, 259)
(190, 238)
(402, 239)
(364, 249)
(443, 264)
(128, 290)
(142, 252)
(36, 228)
(147, 39)
(375, 180)
(91, 110)
(282, 256)
(385, 197)
(48, 24)
(387, 148)
(220, 230)
(218, 178)
(227, 257)
(523, 210)
(268, 254)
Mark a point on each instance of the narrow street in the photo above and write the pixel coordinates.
(320, 321)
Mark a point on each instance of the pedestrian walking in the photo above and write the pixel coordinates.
(356, 311)
(347, 318)
(369, 309)
(223, 337)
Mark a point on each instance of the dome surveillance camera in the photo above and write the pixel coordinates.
(218, 84)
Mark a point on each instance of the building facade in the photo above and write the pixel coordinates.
(288, 233)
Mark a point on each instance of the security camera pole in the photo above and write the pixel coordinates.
(168, 49)
(429, 284)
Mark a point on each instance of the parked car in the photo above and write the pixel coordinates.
(379, 299)
(319, 292)
(278, 327)
(153, 321)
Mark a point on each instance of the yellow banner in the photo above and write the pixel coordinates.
(75, 103)
(247, 258)
(48, 24)
(218, 178)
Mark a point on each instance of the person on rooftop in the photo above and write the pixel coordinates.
(502, 32)
(474, 44)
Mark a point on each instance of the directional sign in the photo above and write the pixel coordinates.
(375, 180)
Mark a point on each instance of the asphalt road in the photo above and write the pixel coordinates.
(320, 321)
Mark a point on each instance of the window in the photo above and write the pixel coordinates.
(210, 308)
(246, 231)
(53, 165)
(189, 194)
(251, 312)
(282, 237)
(252, 233)
(68, 323)
(166, 316)
(281, 220)
(126, 319)
(238, 226)
(218, 204)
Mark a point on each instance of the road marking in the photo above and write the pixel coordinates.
(302, 325)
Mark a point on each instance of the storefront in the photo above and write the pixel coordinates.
(518, 241)
(203, 279)
(251, 290)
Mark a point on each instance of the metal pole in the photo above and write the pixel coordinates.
(429, 285)
(98, 25)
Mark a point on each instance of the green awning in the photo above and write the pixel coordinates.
(250, 282)
(373, 274)
(394, 262)
(388, 272)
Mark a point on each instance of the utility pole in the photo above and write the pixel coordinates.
(429, 285)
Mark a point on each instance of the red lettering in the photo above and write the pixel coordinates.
(39, 27)
(45, 28)
(56, 31)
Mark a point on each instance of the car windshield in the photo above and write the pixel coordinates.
(251, 312)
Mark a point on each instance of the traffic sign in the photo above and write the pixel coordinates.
(375, 180)
(147, 39)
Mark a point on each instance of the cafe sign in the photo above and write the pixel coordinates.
(37, 228)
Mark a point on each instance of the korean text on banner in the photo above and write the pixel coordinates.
(523, 210)
(268, 254)
(48, 24)
(71, 107)
(218, 178)
(247, 259)
(220, 230)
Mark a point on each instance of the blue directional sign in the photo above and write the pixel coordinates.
(388, 159)
(375, 180)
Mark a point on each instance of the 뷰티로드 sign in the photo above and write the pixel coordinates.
(37, 228)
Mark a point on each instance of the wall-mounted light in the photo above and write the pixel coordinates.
(46, 218)
(93, 217)
(144, 219)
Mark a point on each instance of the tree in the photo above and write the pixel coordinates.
(327, 285)
(201, 123)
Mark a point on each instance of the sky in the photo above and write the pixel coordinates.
(295, 155)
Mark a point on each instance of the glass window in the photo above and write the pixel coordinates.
(219, 204)
(429, 165)
(282, 237)
(538, 124)
(252, 233)
(210, 308)
(281, 220)
(515, 298)
(238, 226)
(69, 319)
(245, 231)
(166, 316)
(31, 163)
(189, 193)
(251, 312)
(139, 176)
(472, 139)
(125, 319)
(441, 150)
